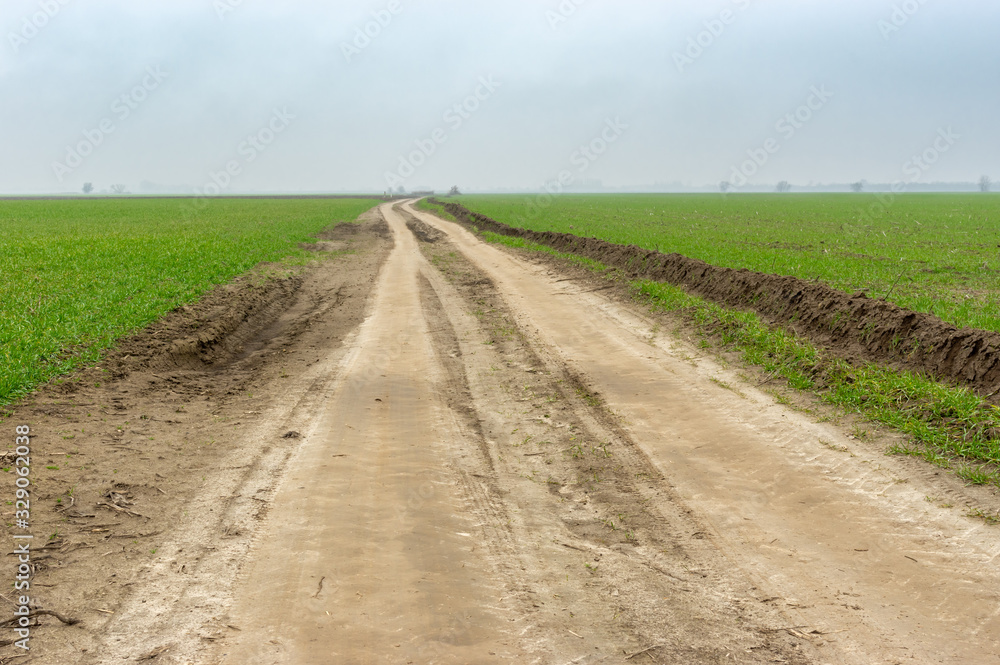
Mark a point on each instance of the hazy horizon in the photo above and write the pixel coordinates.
(242, 96)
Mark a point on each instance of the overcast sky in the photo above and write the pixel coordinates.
(293, 95)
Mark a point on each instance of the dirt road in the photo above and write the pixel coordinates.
(391, 559)
(368, 555)
(501, 462)
(440, 512)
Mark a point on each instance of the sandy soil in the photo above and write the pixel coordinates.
(444, 452)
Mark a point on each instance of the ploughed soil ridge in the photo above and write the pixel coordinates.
(855, 327)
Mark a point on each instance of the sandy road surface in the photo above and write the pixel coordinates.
(458, 502)
(500, 464)
(853, 549)
(367, 557)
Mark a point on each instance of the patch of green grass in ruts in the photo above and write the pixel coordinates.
(952, 427)
(932, 253)
(76, 275)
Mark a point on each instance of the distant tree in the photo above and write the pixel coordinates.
(783, 187)
(117, 189)
(724, 186)
(88, 187)
(858, 187)
(400, 191)
(454, 191)
(985, 184)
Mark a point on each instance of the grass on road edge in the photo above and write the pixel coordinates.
(954, 428)
(425, 205)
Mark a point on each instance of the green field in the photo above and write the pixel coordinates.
(934, 253)
(78, 275)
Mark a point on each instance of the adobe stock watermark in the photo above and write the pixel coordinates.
(563, 13)
(223, 8)
(582, 159)
(454, 118)
(714, 29)
(913, 170)
(22, 513)
(32, 25)
(787, 127)
(247, 152)
(121, 110)
(372, 30)
(901, 15)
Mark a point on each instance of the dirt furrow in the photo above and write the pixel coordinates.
(856, 327)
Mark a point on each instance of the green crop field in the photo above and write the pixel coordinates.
(935, 253)
(77, 275)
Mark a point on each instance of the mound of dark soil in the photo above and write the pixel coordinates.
(423, 232)
(852, 326)
(229, 322)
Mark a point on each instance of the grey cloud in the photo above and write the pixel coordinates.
(562, 78)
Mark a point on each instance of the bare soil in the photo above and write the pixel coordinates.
(432, 450)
